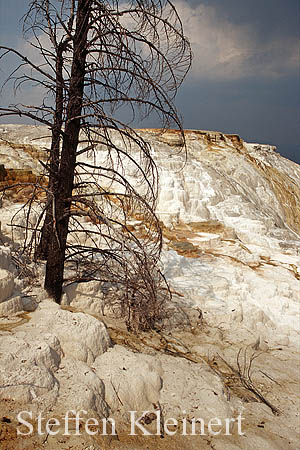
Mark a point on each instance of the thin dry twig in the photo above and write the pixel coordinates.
(243, 373)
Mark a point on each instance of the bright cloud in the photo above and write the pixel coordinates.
(226, 50)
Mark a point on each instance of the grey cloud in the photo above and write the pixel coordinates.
(226, 50)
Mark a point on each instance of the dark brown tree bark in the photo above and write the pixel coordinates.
(56, 247)
(47, 229)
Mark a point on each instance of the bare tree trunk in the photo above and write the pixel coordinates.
(56, 248)
(47, 229)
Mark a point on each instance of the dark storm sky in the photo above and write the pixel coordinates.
(245, 75)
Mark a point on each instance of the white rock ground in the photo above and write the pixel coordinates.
(237, 206)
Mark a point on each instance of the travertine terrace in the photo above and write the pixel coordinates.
(230, 213)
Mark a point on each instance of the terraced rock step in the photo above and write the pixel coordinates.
(6, 285)
(10, 176)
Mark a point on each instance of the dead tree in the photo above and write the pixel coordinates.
(91, 58)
